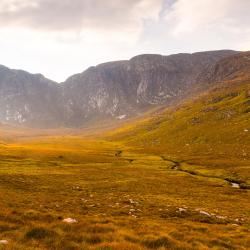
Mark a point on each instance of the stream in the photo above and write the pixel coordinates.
(177, 167)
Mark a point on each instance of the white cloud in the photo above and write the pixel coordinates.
(199, 25)
(71, 15)
(62, 37)
(205, 14)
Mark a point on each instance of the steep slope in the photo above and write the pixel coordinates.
(212, 126)
(208, 137)
(217, 118)
(28, 99)
(110, 91)
(235, 67)
(126, 88)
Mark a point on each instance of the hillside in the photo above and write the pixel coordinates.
(110, 91)
(178, 178)
(29, 99)
(209, 133)
(219, 116)
(119, 90)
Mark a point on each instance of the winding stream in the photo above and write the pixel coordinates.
(178, 167)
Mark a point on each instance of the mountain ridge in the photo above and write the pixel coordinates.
(113, 90)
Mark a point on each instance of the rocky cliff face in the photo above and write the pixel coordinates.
(114, 90)
(234, 67)
(28, 99)
(126, 88)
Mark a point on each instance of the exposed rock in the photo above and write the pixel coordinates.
(115, 90)
(235, 185)
(126, 88)
(70, 220)
(236, 66)
(4, 242)
(28, 99)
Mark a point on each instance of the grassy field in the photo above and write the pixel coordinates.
(120, 199)
(162, 183)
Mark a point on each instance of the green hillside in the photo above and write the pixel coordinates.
(211, 131)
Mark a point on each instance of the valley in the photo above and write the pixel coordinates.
(124, 125)
(126, 201)
(176, 176)
(150, 184)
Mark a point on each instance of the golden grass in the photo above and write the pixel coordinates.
(162, 183)
(131, 201)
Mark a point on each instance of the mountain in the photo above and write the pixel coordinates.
(127, 88)
(213, 125)
(110, 91)
(235, 67)
(28, 99)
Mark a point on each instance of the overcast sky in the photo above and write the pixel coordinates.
(59, 38)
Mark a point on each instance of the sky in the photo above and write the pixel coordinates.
(59, 38)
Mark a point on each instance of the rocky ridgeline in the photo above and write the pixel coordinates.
(115, 90)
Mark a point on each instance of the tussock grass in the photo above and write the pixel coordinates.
(127, 191)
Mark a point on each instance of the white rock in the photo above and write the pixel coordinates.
(235, 185)
(4, 242)
(205, 213)
(182, 209)
(133, 202)
(121, 117)
(70, 220)
(221, 217)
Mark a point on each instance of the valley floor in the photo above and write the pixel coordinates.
(118, 198)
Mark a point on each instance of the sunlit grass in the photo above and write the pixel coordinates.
(163, 183)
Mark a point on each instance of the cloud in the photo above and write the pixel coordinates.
(77, 14)
(62, 37)
(189, 16)
(198, 25)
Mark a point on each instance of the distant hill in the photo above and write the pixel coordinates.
(114, 91)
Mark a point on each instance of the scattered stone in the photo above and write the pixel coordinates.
(205, 213)
(70, 220)
(182, 209)
(221, 217)
(235, 185)
(245, 130)
(4, 242)
(132, 202)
